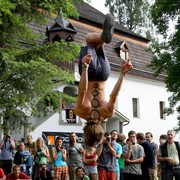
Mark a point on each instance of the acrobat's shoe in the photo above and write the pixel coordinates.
(108, 28)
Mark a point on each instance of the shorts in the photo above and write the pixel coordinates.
(61, 172)
(75, 164)
(103, 174)
(90, 170)
(99, 68)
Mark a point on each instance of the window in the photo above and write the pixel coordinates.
(161, 108)
(135, 103)
(122, 55)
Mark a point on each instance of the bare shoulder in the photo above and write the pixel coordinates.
(109, 109)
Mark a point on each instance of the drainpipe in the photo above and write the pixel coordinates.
(26, 128)
(1, 131)
(126, 123)
(104, 125)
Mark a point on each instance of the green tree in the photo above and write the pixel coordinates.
(132, 14)
(167, 59)
(26, 62)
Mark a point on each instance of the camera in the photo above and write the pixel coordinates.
(108, 138)
(6, 136)
(43, 169)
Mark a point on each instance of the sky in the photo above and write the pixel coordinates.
(99, 4)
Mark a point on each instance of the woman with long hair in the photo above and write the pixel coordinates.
(41, 154)
(90, 162)
(59, 160)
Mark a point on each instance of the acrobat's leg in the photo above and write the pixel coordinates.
(98, 39)
(108, 28)
(93, 39)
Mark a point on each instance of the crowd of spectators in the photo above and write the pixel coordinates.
(116, 157)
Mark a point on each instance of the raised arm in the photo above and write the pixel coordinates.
(83, 84)
(126, 66)
(1, 143)
(12, 143)
(54, 156)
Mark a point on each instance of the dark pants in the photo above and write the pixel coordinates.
(145, 173)
(169, 173)
(128, 176)
(121, 174)
(6, 165)
(99, 68)
(35, 171)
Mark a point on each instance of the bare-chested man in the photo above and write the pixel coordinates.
(94, 68)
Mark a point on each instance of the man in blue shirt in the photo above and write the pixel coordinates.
(148, 164)
(114, 135)
(7, 146)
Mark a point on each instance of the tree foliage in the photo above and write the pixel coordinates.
(167, 59)
(26, 62)
(132, 14)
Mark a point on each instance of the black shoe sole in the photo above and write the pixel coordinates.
(108, 28)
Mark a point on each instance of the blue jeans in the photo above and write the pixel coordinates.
(35, 171)
(117, 175)
(121, 175)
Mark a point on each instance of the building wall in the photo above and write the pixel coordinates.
(52, 125)
(149, 93)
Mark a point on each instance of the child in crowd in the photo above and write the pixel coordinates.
(80, 174)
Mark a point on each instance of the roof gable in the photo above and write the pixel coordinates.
(91, 20)
(92, 16)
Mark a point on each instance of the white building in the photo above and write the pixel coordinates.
(142, 97)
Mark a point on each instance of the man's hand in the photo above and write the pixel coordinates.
(130, 145)
(107, 142)
(127, 161)
(170, 160)
(126, 66)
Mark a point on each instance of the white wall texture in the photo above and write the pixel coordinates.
(149, 93)
(52, 125)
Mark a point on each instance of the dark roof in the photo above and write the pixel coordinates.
(90, 15)
(60, 24)
(137, 45)
(138, 52)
